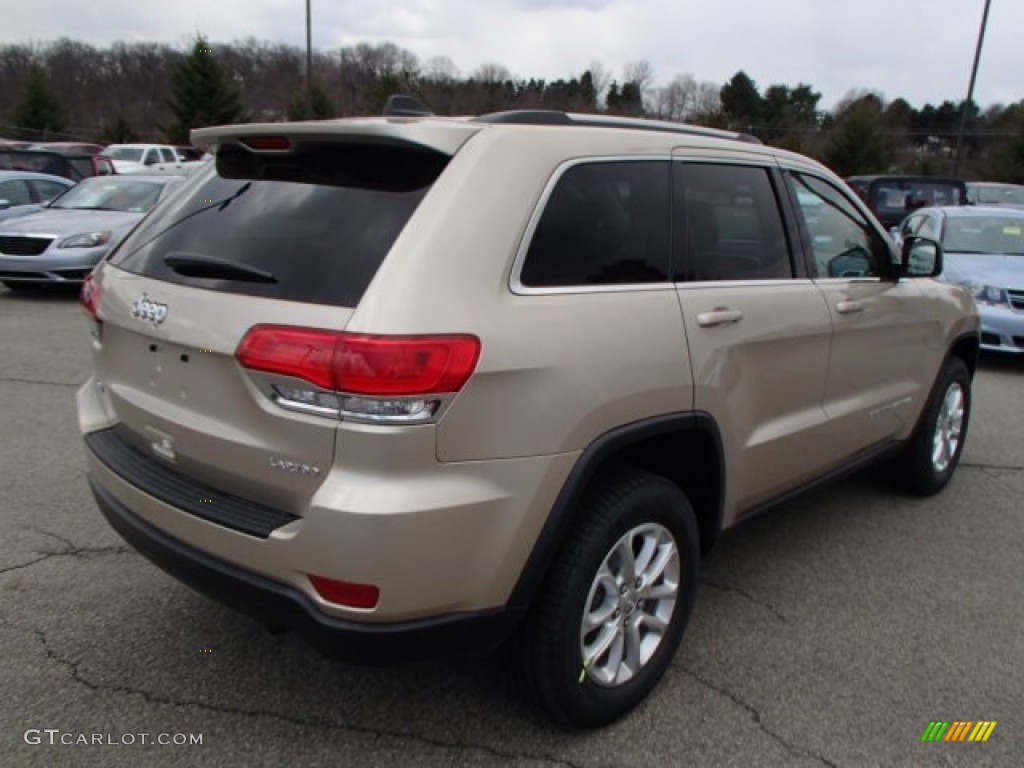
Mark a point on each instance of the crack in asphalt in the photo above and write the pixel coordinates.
(999, 480)
(82, 552)
(985, 467)
(752, 598)
(793, 749)
(15, 380)
(377, 733)
(70, 550)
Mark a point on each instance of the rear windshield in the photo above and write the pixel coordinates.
(312, 226)
(128, 154)
(899, 197)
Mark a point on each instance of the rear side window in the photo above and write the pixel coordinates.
(15, 192)
(604, 223)
(730, 223)
(45, 191)
(311, 227)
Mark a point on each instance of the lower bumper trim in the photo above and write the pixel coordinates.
(280, 605)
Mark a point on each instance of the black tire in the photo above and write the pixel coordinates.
(922, 469)
(547, 655)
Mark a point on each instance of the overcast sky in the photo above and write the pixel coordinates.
(918, 49)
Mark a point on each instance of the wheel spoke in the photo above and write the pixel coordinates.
(615, 653)
(623, 555)
(600, 615)
(654, 622)
(654, 573)
(648, 549)
(632, 661)
(603, 642)
(658, 591)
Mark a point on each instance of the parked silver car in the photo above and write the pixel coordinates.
(995, 193)
(63, 241)
(984, 250)
(22, 191)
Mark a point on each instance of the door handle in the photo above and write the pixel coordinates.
(719, 316)
(849, 307)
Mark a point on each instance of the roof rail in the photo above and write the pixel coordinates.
(556, 117)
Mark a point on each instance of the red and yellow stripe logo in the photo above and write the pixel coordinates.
(958, 730)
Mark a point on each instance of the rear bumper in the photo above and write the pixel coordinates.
(278, 604)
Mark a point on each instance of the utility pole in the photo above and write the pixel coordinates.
(970, 93)
(309, 61)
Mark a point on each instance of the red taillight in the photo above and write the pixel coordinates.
(345, 592)
(89, 297)
(405, 365)
(306, 353)
(264, 143)
(361, 364)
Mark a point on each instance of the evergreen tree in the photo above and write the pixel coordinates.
(741, 102)
(612, 99)
(201, 94)
(118, 132)
(858, 143)
(299, 108)
(321, 106)
(37, 115)
(588, 92)
(631, 99)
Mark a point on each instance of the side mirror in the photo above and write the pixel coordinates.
(920, 257)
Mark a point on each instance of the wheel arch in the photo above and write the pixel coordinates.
(685, 448)
(966, 347)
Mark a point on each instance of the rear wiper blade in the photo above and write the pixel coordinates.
(201, 265)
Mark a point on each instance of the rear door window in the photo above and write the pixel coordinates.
(312, 227)
(605, 223)
(730, 224)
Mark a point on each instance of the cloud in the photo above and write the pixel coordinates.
(920, 51)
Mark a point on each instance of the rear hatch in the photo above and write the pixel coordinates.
(284, 230)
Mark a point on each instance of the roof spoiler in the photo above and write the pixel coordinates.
(400, 105)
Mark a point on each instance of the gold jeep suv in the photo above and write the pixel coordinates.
(412, 385)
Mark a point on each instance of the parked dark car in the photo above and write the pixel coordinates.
(83, 156)
(189, 154)
(69, 147)
(893, 197)
(74, 167)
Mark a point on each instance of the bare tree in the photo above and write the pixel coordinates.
(676, 101)
(641, 74)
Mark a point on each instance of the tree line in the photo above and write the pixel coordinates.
(151, 91)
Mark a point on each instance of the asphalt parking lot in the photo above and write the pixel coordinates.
(829, 632)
